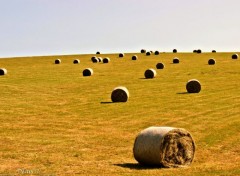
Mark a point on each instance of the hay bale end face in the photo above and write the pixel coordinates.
(143, 51)
(88, 72)
(148, 53)
(193, 86)
(134, 57)
(176, 60)
(120, 94)
(76, 61)
(150, 73)
(235, 56)
(174, 50)
(106, 60)
(58, 61)
(211, 62)
(94, 59)
(160, 66)
(121, 55)
(3, 71)
(164, 147)
(156, 53)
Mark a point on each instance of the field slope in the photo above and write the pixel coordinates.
(55, 121)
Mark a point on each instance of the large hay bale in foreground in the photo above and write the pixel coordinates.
(193, 86)
(174, 50)
(134, 57)
(176, 60)
(164, 147)
(58, 61)
(143, 51)
(88, 72)
(148, 53)
(160, 66)
(150, 73)
(94, 59)
(156, 53)
(235, 56)
(76, 61)
(211, 62)
(3, 71)
(121, 55)
(106, 60)
(120, 94)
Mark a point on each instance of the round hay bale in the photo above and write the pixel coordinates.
(76, 61)
(156, 53)
(58, 61)
(150, 73)
(213, 51)
(121, 55)
(211, 62)
(97, 52)
(164, 147)
(176, 60)
(160, 66)
(143, 51)
(3, 71)
(174, 50)
(88, 72)
(134, 57)
(106, 60)
(193, 86)
(194, 51)
(235, 56)
(199, 51)
(94, 59)
(99, 59)
(148, 53)
(120, 94)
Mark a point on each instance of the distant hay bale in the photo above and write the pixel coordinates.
(199, 51)
(160, 66)
(194, 51)
(193, 86)
(211, 62)
(176, 60)
(121, 55)
(106, 60)
(76, 61)
(120, 94)
(143, 51)
(99, 59)
(134, 57)
(150, 73)
(3, 71)
(97, 52)
(164, 147)
(174, 50)
(58, 61)
(88, 72)
(156, 53)
(148, 53)
(235, 56)
(94, 59)
(213, 51)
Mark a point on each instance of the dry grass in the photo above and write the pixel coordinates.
(53, 120)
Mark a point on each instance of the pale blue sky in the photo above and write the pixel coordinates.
(49, 27)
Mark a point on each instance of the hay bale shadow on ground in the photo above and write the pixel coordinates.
(137, 166)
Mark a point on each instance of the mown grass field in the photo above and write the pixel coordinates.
(55, 121)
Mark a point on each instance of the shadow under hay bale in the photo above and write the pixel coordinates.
(164, 147)
(134, 57)
(160, 66)
(156, 53)
(120, 94)
(150, 73)
(76, 61)
(106, 60)
(121, 55)
(97, 52)
(213, 51)
(193, 86)
(94, 59)
(3, 71)
(176, 60)
(235, 56)
(143, 51)
(174, 50)
(88, 72)
(148, 53)
(211, 62)
(58, 61)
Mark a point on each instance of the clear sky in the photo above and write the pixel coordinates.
(53, 27)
